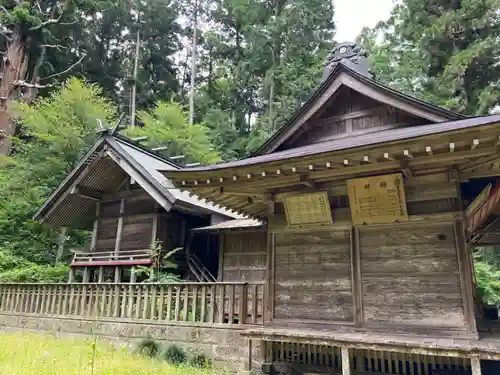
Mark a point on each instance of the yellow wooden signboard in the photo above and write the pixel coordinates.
(377, 200)
(311, 208)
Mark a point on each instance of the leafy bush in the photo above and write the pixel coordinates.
(200, 361)
(148, 347)
(488, 281)
(175, 354)
(34, 273)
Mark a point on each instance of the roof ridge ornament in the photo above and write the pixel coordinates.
(350, 55)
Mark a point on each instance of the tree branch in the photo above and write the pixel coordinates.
(48, 22)
(19, 83)
(66, 70)
(56, 46)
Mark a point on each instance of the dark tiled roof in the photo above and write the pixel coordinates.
(368, 81)
(369, 139)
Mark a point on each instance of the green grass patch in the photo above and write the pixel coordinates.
(39, 354)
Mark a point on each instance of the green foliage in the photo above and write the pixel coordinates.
(148, 347)
(442, 51)
(159, 270)
(488, 280)
(56, 132)
(200, 361)
(34, 273)
(166, 124)
(175, 355)
(45, 354)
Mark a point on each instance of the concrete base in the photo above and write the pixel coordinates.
(223, 345)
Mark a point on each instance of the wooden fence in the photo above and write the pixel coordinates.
(210, 303)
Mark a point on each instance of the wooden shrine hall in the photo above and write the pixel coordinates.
(368, 204)
(117, 193)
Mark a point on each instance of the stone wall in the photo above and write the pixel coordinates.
(223, 345)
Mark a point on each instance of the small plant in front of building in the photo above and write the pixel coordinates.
(175, 355)
(199, 361)
(148, 347)
(158, 272)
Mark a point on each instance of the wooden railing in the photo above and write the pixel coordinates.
(210, 303)
(140, 256)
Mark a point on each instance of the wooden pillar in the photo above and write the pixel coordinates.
(466, 279)
(270, 283)
(132, 275)
(119, 230)
(475, 365)
(346, 361)
(247, 362)
(71, 275)
(96, 227)
(154, 229)
(86, 274)
(357, 291)
(118, 274)
(100, 278)
(220, 271)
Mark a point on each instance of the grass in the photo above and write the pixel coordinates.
(38, 354)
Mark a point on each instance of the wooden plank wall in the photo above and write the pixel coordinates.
(404, 276)
(313, 276)
(244, 256)
(410, 277)
(137, 225)
(351, 113)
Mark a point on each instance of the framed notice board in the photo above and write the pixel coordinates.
(377, 200)
(305, 209)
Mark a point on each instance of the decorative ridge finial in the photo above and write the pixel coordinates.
(351, 55)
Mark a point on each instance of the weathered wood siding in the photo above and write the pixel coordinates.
(244, 256)
(137, 231)
(313, 276)
(410, 277)
(350, 113)
(106, 234)
(137, 225)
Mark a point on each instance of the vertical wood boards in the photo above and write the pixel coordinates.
(350, 113)
(313, 276)
(411, 278)
(244, 256)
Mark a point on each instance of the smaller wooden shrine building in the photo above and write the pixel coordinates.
(369, 205)
(117, 193)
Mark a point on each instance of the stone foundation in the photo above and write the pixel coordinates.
(223, 345)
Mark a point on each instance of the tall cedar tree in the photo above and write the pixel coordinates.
(445, 51)
(259, 60)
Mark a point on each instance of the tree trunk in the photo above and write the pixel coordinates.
(13, 70)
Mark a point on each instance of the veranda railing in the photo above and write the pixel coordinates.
(211, 303)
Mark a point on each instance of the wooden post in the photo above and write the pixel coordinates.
(220, 271)
(247, 363)
(357, 291)
(475, 365)
(100, 278)
(346, 361)
(154, 226)
(96, 227)
(71, 275)
(132, 275)
(86, 274)
(119, 229)
(466, 278)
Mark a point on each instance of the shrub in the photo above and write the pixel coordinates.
(175, 354)
(200, 361)
(148, 347)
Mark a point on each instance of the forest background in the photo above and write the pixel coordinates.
(64, 64)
